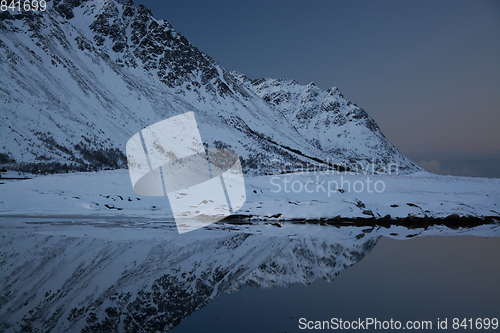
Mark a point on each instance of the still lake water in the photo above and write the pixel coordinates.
(130, 277)
(426, 278)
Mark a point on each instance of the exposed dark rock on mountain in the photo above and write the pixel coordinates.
(97, 72)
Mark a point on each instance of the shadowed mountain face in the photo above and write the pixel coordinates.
(60, 283)
(83, 76)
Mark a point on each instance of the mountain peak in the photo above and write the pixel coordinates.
(330, 122)
(144, 11)
(334, 91)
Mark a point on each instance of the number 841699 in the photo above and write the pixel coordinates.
(27, 5)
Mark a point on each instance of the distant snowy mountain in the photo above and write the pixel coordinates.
(329, 122)
(79, 79)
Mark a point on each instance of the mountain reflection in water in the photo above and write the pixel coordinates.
(84, 278)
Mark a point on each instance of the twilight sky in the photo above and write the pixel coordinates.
(428, 72)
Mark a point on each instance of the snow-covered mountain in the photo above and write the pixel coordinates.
(328, 121)
(79, 79)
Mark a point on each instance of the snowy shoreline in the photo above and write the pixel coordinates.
(109, 194)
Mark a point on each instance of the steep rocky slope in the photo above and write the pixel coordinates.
(330, 122)
(79, 79)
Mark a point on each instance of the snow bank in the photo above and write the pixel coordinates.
(310, 196)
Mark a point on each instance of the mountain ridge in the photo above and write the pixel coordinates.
(83, 76)
(320, 116)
